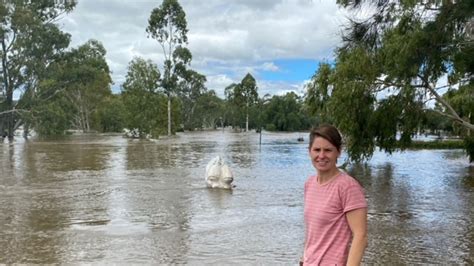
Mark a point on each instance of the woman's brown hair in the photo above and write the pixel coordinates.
(328, 132)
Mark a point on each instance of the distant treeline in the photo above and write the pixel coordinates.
(404, 70)
(437, 144)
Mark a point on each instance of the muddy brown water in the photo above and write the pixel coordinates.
(106, 199)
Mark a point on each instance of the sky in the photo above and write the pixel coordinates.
(279, 42)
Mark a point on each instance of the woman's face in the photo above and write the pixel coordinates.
(323, 155)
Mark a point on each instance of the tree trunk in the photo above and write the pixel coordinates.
(169, 116)
(468, 129)
(88, 127)
(247, 123)
(8, 122)
(26, 130)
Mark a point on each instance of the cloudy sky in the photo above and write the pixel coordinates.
(280, 42)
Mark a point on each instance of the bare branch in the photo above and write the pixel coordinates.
(444, 114)
(164, 50)
(14, 111)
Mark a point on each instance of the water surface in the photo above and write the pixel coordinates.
(107, 199)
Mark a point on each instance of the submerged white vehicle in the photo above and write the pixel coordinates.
(218, 174)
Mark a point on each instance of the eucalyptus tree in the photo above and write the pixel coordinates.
(167, 24)
(318, 93)
(462, 100)
(190, 89)
(29, 40)
(435, 124)
(111, 114)
(247, 93)
(284, 113)
(209, 110)
(233, 114)
(71, 89)
(143, 98)
(88, 82)
(258, 112)
(393, 65)
(241, 98)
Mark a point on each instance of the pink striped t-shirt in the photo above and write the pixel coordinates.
(328, 234)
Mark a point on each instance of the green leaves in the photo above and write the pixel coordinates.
(247, 91)
(142, 75)
(284, 113)
(143, 99)
(30, 43)
(241, 98)
(190, 89)
(51, 118)
(318, 93)
(209, 111)
(388, 70)
(167, 24)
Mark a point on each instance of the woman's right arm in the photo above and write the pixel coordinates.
(357, 220)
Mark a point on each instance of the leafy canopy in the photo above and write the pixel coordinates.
(391, 68)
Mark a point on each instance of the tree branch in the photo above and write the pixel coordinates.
(451, 112)
(14, 111)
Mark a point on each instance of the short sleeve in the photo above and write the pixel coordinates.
(353, 198)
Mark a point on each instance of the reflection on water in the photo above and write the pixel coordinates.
(106, 199)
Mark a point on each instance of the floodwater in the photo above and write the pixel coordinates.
(106, 199)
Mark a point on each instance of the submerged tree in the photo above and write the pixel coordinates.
(71, 89)
(111, 114)
(209, 110)
(284, 113)
(241, 98)
(233, 107)
(392, 66)
(167, 25)
(88, 82)
(247, 94)
(143, 98)
(30, 40)
(190, 89)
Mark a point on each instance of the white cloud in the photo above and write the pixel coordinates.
(218, 83)
(227, 38)
(269, 66)
(280, 88)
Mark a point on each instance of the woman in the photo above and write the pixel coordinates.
(335, 209)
